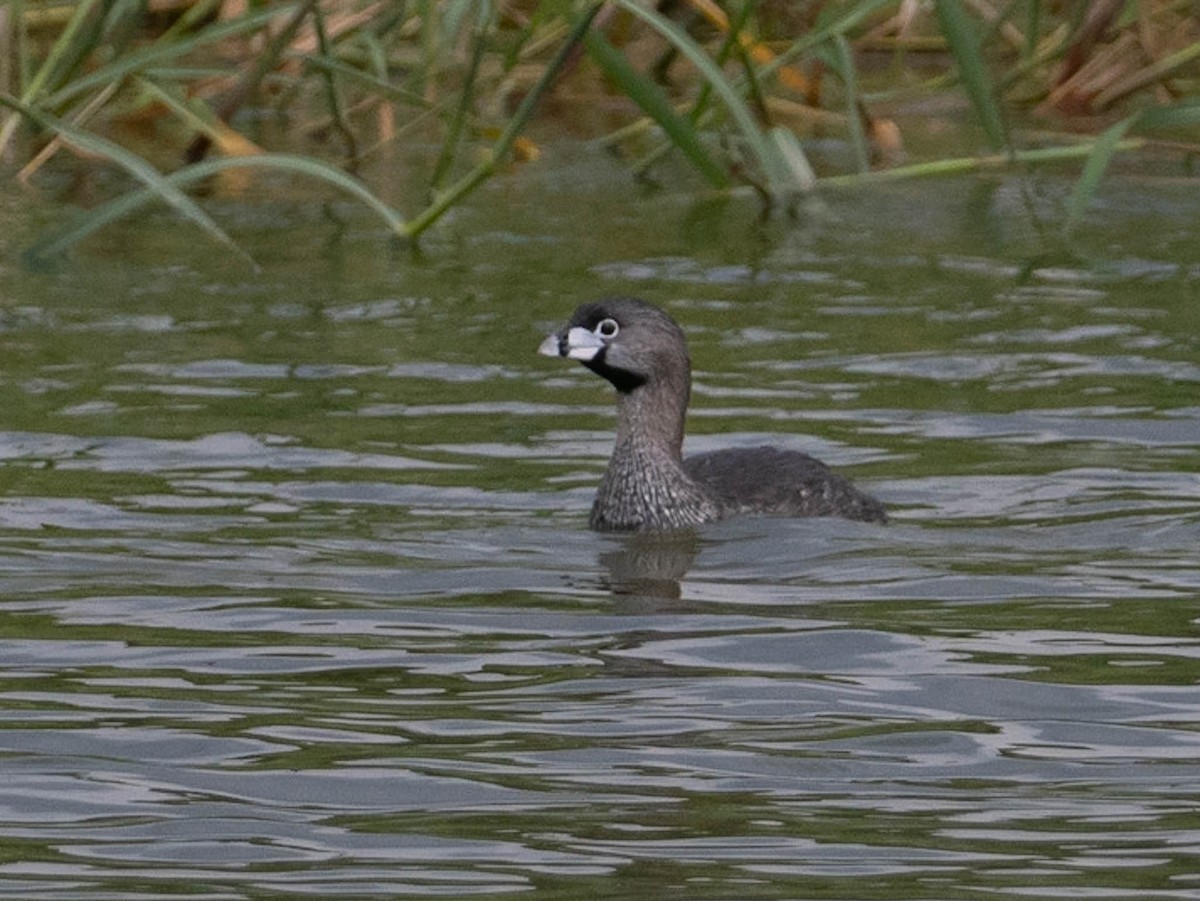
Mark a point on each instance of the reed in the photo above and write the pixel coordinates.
(724, 88)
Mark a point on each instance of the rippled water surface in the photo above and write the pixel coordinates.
(297, 597)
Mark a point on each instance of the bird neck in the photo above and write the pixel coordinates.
(650, 419)
(645, 485)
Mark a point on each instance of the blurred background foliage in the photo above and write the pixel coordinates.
(178, 93)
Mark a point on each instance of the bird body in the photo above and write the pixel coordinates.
(648, 485)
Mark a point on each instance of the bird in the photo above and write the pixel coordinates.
(649, 486)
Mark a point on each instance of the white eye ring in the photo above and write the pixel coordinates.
(607, 328)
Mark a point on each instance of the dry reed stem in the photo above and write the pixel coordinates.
(1011, 34)
(58, 143)
(1094, 76)
(336, 25)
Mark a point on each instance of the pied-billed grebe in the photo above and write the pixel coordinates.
(648, 485)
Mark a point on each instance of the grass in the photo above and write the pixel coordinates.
(692, 79)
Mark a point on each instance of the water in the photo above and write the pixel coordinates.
(297, 598)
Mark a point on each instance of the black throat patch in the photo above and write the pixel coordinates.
(621, 379)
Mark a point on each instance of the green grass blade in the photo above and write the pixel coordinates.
(20, 67)
(122, 206)
(1093, 170)
(193, 15)
(754, 136)
(1177, 115)
(333, 90)
(155, 183)
(196, 115)
(1156, 71)
(964, 165)
(791, 160)
(54, 65)
(466, 98)
(500, 150)
(1033, 29)
(858, 12)
(136, 60)
(700, 107)
(655, 104)
(65, 46)
(854, 109)
(453, 14)
(967, 48)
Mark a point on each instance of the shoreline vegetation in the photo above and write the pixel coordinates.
(733, 89)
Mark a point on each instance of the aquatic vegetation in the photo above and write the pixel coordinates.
(733, 90)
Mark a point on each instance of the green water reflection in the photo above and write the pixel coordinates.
(296, 595)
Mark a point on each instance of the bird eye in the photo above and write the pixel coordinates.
(607, 328)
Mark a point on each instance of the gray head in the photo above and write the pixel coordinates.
(642, 352)
(631, 343)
